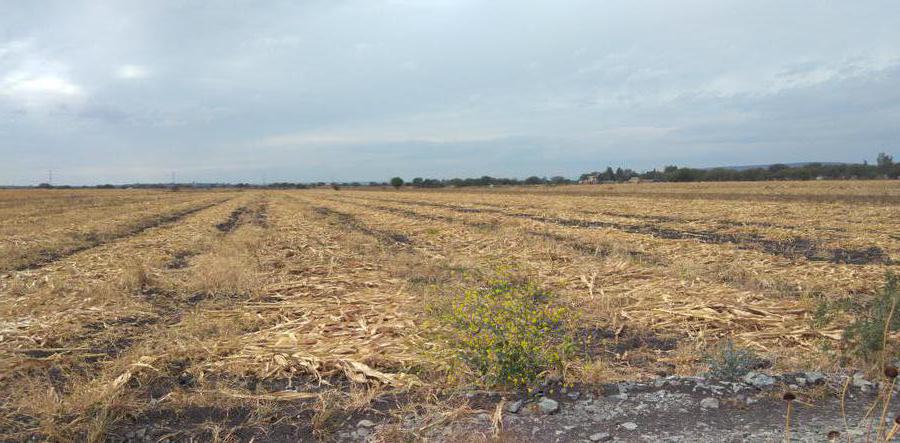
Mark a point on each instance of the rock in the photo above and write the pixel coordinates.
(622, 396)
(600, 436)
(630, 426)
(548, 405)
(573, 395)
(758, 380)
(515, 406)
(551, 380)
(365, 424)
(814, 377)
(363, 432)
(709, 403)
(860, 382)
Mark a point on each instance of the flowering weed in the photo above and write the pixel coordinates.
(510, 333)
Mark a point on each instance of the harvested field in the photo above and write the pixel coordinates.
(292, 315)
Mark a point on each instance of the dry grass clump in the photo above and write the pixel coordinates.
(232, 268)
(136, 276)
(227, 275)
(83, 409)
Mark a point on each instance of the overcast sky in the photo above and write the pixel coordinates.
(120, 91)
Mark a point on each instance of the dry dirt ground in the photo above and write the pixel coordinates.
(308, 315)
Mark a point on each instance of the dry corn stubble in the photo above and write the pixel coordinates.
(307, 294)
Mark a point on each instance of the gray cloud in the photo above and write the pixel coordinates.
(360, 90)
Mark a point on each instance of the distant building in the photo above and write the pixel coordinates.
(634, 180)
(590, 180)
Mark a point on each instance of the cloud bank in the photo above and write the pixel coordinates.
(365, 90)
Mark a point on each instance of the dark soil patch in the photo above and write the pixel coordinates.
(349, 221)
(794, 248)
(596, 250)
(261, 215)
(287, 421)
(256, 216)
(180, 260)
(859, 256)
(233, 220)
(419, 216)
(587, 249)
(702, 195)
(597, 342)
(645, 217)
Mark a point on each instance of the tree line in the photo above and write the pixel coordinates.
(884, 167)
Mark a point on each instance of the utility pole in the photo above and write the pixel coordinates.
(50, 177)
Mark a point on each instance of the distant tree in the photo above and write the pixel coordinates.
(559, 180)
(653, 175)
(45, 186)
(534, 180)
(720, 174)
(397, 182)
(588, 175)
(884, 162)
(778, 167)
(608, 175)
(686, 175)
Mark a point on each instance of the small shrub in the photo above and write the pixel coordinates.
(727, 362)
(135, 276)
(827, 311)
(875, 321)
(508, 332)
